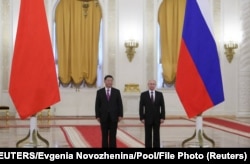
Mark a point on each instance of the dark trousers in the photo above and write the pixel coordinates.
(109, 129)
(152, 135)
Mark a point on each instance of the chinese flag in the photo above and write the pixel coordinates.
(33, 81)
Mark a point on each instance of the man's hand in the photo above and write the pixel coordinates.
(98, 119)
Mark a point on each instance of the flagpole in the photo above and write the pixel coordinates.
(32, 136)
(199, 134)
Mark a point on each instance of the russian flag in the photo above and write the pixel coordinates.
(198, 79)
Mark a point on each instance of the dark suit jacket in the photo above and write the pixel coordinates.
(113, 107)
(149, 111)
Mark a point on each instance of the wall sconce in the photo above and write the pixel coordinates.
(130, 48)
(229, 47)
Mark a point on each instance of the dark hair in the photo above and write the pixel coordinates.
(108, 76)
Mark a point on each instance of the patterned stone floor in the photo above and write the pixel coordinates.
(174, 132)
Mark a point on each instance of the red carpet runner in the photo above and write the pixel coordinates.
(90, 137)
(229, 124)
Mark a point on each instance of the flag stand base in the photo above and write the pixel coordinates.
(201, 136)
(33, 137)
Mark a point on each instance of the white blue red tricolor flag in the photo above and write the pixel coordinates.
(198, 80)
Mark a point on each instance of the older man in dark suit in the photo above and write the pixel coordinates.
(152, 114)
(108, 111)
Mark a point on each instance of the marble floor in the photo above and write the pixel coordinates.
(175, 131)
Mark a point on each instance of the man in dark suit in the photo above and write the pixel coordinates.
(152, 114)
(108, 111)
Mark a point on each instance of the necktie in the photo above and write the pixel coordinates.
(152, 96)
(108, 95)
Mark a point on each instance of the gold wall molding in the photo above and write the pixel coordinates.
(132, 88)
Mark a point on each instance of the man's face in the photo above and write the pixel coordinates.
(151, 84)
(108, 82)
